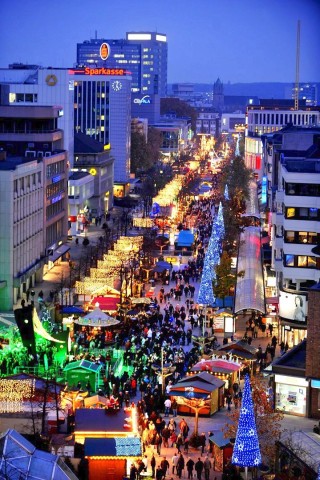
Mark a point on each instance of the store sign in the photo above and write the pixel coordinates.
(51, 80)
(293, 307)
(104, 51)
(98, 71)
(264, 190)
(145, 100)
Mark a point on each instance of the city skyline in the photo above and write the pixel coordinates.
(247, 41)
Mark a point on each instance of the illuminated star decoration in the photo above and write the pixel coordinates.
(246, 450)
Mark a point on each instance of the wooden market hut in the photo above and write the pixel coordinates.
(110, 458)
(242, 350)
(222, 368)
(83, 371)
(221, 449)
(200, 385)
(111, 441)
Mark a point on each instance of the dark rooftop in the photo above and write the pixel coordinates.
(112, 447)
(294, 358)
(85, 144)
(11, 163)
(97, 420)
(78, 175)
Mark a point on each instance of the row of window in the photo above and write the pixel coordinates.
(55, 232)
(27, 227)
(55, 189)
(23, 97)
(55, 209)
(302, 213)
(26, 182)
(55, 169)
(300, 237)
(27, 205)
(282, 118)
(301, 261)
(302, 189)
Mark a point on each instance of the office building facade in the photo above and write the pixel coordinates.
(270, 116)
(33, 197)
(292, 168)
(142, 54)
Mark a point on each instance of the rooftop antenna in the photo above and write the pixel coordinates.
(296, 88)
(96, 34)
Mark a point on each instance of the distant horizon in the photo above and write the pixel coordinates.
(247, 41)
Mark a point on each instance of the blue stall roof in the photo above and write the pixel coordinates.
(185, 238)
(112, 447)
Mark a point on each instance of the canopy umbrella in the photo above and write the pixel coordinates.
(164, 264)
(159, 269)
(72, 309)
(140, 300)
(97, 318)
(132, 312)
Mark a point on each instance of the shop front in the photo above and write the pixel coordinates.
(293, 312)
(291, 395)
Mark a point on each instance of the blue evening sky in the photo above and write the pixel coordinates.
(237, 40)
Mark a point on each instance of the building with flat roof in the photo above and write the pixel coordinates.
(143, 54)
(292, 171)
(270, 116)
(33, 197)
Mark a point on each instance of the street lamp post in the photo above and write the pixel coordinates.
(164, 370)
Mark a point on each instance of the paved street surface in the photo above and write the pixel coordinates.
(206, 425)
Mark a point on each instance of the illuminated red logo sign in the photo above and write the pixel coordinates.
(104, 51)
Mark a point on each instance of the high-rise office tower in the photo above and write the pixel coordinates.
(143, 54)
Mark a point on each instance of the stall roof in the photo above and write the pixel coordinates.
(113, 447)
(85, 364)
(218, 439)
(204, 382)
(185, 238)
(97, 420)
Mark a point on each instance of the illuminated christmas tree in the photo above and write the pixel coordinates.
(226, 192)
(205, 295)
(220, 223)
(246, 450)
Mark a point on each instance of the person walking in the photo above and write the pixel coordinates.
(190, 465)
(180, 465)
(167, 406)
(159, 473)
(174, 462)
(133, 472)
(202, 442)
(164, 466)
(153, 466)
(198, 468)
(174, 406)
(207, 467)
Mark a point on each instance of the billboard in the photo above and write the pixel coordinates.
(293, 307)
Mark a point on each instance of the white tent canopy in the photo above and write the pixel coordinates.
(97, 318)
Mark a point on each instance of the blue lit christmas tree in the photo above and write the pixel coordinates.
(220, 222)
(246, 450)
(226, 192)
(214, 247)
(205, 295)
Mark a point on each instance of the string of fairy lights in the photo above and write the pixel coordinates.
(107, 270)
(13, 393)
